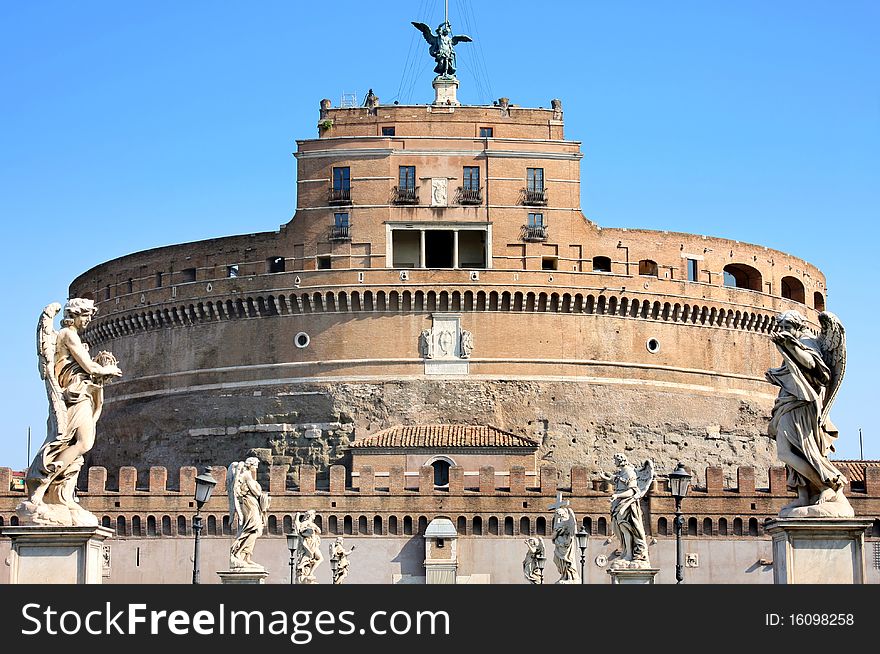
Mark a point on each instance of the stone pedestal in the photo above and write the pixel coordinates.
(445, 89)
(818, 550)
(242, 576)
(56, 555)
(633, 575)
(441, 555)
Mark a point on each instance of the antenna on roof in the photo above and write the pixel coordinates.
(348, 100)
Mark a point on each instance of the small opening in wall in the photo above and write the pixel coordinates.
(440, 543)
(653, 345)
(232, 271)
(549, 263)
(301, 340)
(525, 505)
(323, 263)
(333, 504)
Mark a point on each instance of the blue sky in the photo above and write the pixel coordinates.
(125, 126)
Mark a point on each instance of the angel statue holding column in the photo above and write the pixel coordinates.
(630, 486)
(249, 504)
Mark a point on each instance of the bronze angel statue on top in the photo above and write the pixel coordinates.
(808, 380)
(442, 44)
(75, 388)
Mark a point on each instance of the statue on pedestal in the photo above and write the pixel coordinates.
(630, 486)
(564, 528)
(309, 552)
(339, 554)
(808, 380)
(531, 570)
(250, 505)
(75, 388)
(442, 44)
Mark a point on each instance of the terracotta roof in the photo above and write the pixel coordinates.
(444, 436)
(854, 470)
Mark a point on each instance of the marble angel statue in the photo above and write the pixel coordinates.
(309, 553)
(630, 486)
(249, 505)
(808, 380)
(340, 555)
(75, 388)
(563, 531)
(532, 572)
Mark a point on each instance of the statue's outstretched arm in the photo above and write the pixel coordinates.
(79, 352)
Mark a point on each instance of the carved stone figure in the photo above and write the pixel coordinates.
(372, 100)
(446, 342)
(340, 555)
(630, 486)
(250, 505)
(442, 44)
(75, 388)
(309, 552)
(564, 528)
(808, 380)
(467, 344)
(426, 344)
(439, 192)
(530, 563)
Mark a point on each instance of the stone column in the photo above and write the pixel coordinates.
(422, 260)
(56, 555)
(455, 249)
(818, 550)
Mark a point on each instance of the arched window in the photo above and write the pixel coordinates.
(493, 526)
(441, 471)
(648, 267)
(392, 525)
(588, 525)
(166, 525)
(362, 524)
(753, 526)
(739, 275)
(662, 527)
(331, 525)
(423, 524)
(272, 524)
(377, 525)
(793, 289)
(181, 525)
(737, 527)
(818, 301)
(105, 521)
(602, 527)
(525, 527)
(288, 524)
(407, 526)
(227, 528)
(707, 526)
(692, 527)
(346, 525)
(540, 526)
(601, 264)
(722, 526)
(136, 525)
(508, 526)
(477, 528)
(13, 520)
(461, 525)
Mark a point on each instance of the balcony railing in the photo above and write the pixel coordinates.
(534, 196)
(340, 233)
(340, 196)
(405, 195)
(470, 195)
(534, 233)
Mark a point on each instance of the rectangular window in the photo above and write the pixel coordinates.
(693, 270)
(387, 131)
(549, 263)
(471, 178)
(188, 274)
(535, 179)
(158, 280)
(407, 177)
(342, 179)
(341, 219)
(232, 271)
(323, 263)
(486, 132)
(276, 264)
(536, 220)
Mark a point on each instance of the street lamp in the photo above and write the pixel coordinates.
(204, 485)
(679, 482)
(293, 546)
(334, 565)
(541, 561)
(582, 537)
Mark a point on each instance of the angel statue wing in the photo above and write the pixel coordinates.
(232, 475)
(46, 339)
(426, 32)
(832, 342)
(644, 477)
(461, 38)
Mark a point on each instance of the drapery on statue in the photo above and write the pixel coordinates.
(250, 505)
(530, 563)
(442, 46)
(808, 380)
(75, 388)
(340, 555)
(309, 552)
(563, 529)
(630, 486)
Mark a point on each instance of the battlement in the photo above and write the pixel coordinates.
(488, 503)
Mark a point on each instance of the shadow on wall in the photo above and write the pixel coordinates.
(412, 557)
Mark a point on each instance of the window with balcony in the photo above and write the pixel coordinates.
(340, 193)
(470, 191)
(340, 229)
(406, 191)
(535, 229)
(534, 192)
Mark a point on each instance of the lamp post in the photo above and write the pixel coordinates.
(541, 561)
(582, 537)
(679, 482)
(293, 546)
(334, 565)
(204, 485)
